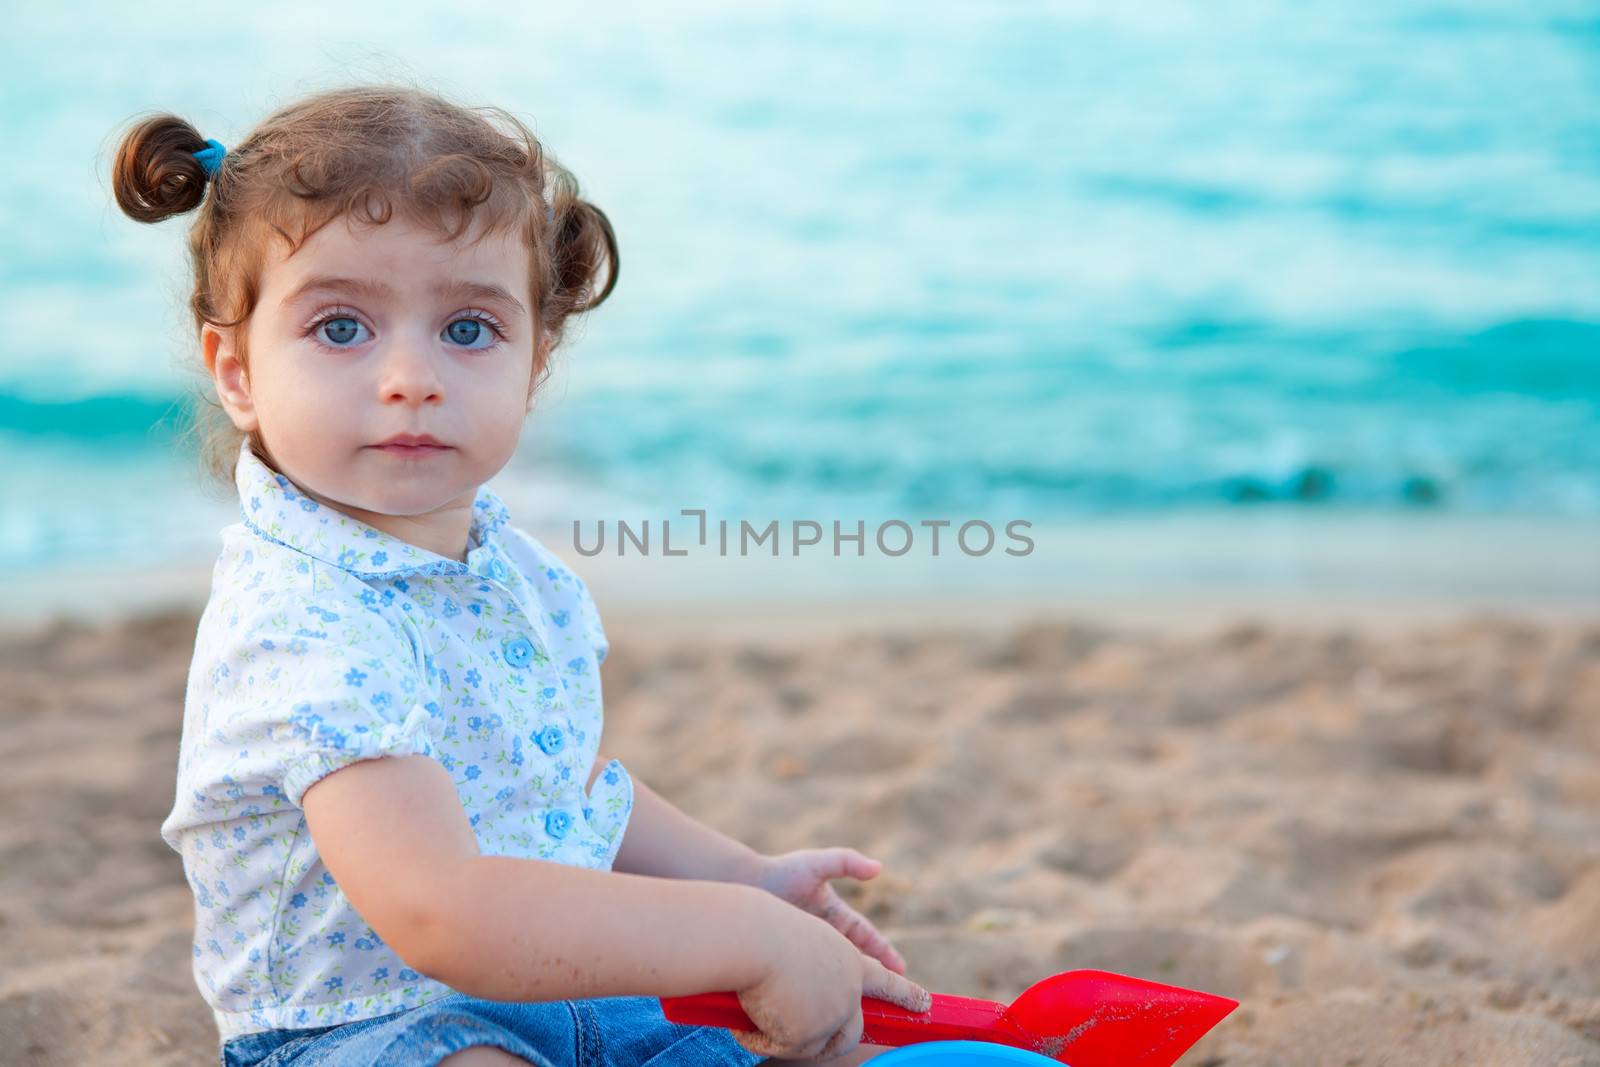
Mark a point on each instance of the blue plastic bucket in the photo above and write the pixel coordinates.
(961, 1054)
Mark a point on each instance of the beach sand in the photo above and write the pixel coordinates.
(1383, 840)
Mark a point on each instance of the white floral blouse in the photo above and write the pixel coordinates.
(326, 641)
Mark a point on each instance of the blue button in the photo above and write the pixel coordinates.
(497, 570)
(557, 823)
(518, 650)
(552, 739)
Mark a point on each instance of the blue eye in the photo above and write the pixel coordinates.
(470, 328)
(476, 331)
(341, 329)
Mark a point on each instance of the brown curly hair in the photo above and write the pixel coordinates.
(361, 151)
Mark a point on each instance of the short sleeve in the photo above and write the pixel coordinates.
(306, 685)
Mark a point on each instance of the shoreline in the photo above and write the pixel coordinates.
(1168, 572)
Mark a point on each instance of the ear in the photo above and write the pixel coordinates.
(228, 373)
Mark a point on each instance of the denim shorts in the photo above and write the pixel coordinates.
(596, 1032)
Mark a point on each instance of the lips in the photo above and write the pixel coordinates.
(411, 444)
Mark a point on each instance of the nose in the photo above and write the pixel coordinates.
(409, 373)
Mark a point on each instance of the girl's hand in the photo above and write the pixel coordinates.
(806, 998)
(801, 878)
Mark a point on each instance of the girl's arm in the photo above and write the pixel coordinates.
(662, 841)
(397, 841)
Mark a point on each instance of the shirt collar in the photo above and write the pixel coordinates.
(275, 508)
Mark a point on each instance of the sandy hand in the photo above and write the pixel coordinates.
(807, 1003)
(801, 878)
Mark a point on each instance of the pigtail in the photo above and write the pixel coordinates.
(582, 241)
(156, 174)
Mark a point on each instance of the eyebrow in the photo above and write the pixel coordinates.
(378, 290)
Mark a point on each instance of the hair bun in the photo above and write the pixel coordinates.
(157, 174)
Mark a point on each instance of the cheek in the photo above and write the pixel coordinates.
(297, 395)
(507, 388)
(504, 408)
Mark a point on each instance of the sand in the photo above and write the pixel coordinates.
(1384, 841)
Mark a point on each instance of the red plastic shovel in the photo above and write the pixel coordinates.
(1084, 1018)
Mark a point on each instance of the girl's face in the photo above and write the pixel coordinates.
(371, 331)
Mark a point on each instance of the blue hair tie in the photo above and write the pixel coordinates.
(210, 157)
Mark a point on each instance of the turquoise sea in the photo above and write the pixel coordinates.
(925, 261)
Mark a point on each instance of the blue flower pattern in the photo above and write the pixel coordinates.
(326, 641)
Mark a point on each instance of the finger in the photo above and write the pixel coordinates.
(780, 1044)
(872, 943)
(892, 960)
(878, 981)
(844, 863)
(864, 867)
(811, 1050)
(855, 926)
(814, 1051)
(758, 1042)
(846, 1039)
(859, 866)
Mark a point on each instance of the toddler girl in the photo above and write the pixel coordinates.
(403, 843)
